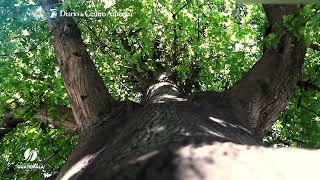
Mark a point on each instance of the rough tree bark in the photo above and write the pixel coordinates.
(266, 89)
(206, 135)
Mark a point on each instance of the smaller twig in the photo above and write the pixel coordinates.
(8, 55)
(310, 110)
(315, 47)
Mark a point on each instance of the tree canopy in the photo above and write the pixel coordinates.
(208, 44)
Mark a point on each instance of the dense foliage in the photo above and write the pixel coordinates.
(220, 38)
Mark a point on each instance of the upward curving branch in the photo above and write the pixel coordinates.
(89, 97)
(267, 87)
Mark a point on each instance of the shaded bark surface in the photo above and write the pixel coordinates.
(171, 136)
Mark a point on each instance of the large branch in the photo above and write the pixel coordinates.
(90, 99)
(267, 87)
(64, 119)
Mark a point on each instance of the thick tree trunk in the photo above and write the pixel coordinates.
(192, 138)
(173, 137)
(166, 124)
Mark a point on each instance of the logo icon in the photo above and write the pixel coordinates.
(53, 14)
(30, 155)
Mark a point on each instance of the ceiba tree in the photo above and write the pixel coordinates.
(175, 134)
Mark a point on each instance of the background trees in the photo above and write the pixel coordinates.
(208, 44)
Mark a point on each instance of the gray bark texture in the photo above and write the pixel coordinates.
(206, 135)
